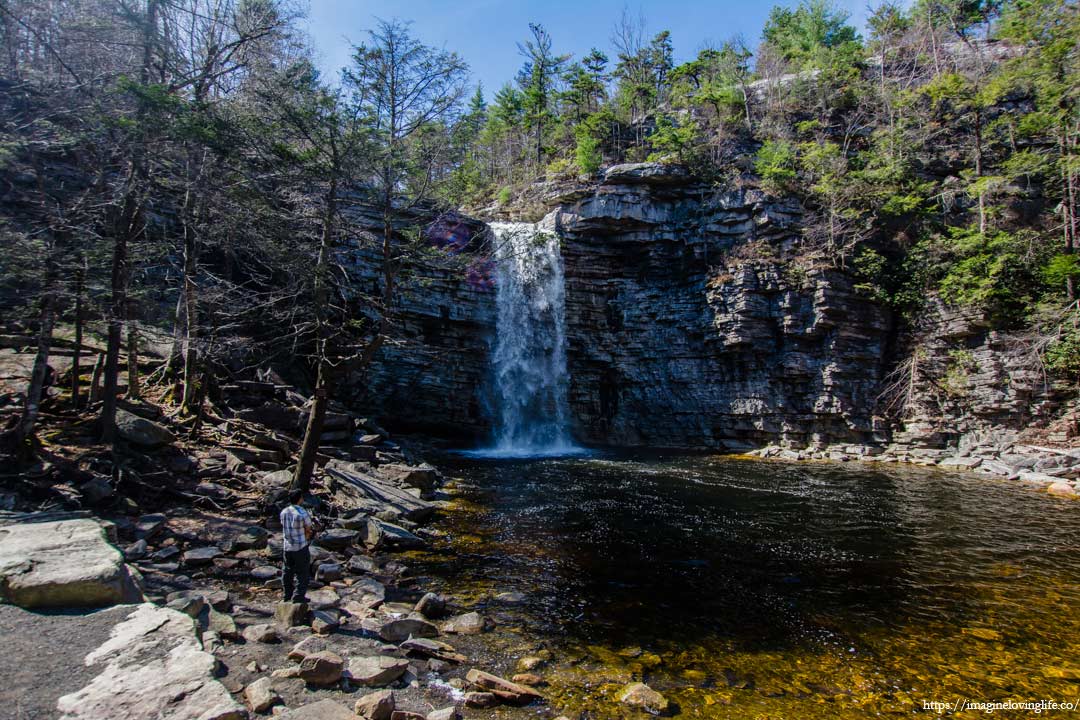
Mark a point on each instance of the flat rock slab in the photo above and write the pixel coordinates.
(152, 666)
(62, 564)
(322, 710)
(43, 656)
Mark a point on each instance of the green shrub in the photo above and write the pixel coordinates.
(775, 163)
(587, 154)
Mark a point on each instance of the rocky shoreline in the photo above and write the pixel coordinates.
(1054, 470)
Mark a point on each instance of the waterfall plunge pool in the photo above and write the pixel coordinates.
(746, 588)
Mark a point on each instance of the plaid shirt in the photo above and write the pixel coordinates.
(294, 521)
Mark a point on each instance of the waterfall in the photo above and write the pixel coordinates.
(529, 355)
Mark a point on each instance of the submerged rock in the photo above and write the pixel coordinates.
(642, 696)
(470, 623)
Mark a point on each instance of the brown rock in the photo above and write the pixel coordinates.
(261, 633)
(376, 670)
(378, 705)
(396, 631)
(503, 689)
(449, 713)
(322, 668)
(530, 679)
(260, 695)
(480, 700)
(431, 606)
(288, 614)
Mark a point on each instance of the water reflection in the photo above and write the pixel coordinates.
(840, 578)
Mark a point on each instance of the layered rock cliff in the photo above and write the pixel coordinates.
(695, 320)
(690, 326)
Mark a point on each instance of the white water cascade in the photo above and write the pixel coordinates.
(529, 359)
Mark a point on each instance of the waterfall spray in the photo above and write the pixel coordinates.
(529, 358)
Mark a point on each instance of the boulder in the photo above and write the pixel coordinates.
(201, 556)
(329, 572)
(140, 431)
(640, 695)
(308, 646)
(362, 564)
(260, 695)
(337, 538)
(423, 477)
(379, 534)
(153, 667)
(322, 710)
(136, 550)
(218, 622)
(428, 648)
(322, 669)
(65, 563)
(401, 629)
(449, 713)
(649, 173)
(476, 699)
(1061, 488)
(378, 705)
(505, 690)
(530, 679)
(376, 670)
(190, 605)
(325, 622)
(253, 538)
(470, 623)
(288, 614)
(355, 487)
(431, 606)
(261, 633)
(324, 598)
(96, 491)
(148, 526)
(265, 572)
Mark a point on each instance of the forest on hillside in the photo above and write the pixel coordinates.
(178, 172)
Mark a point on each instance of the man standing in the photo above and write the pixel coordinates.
(298, 530)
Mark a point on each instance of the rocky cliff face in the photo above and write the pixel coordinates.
(435, 375)
(694, 321)
(690, 327)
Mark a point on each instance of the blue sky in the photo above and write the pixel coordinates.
(484, 32)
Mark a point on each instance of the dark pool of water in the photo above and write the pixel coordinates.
(810, 575)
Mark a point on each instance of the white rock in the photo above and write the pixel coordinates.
(65, 563)
(154, 667)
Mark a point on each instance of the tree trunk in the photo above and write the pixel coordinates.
(117, 311)
(133, 391)
(305, 466)
(95, 379)
(25, 427)
(76, 356)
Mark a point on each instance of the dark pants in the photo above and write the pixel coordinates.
(298, 567)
